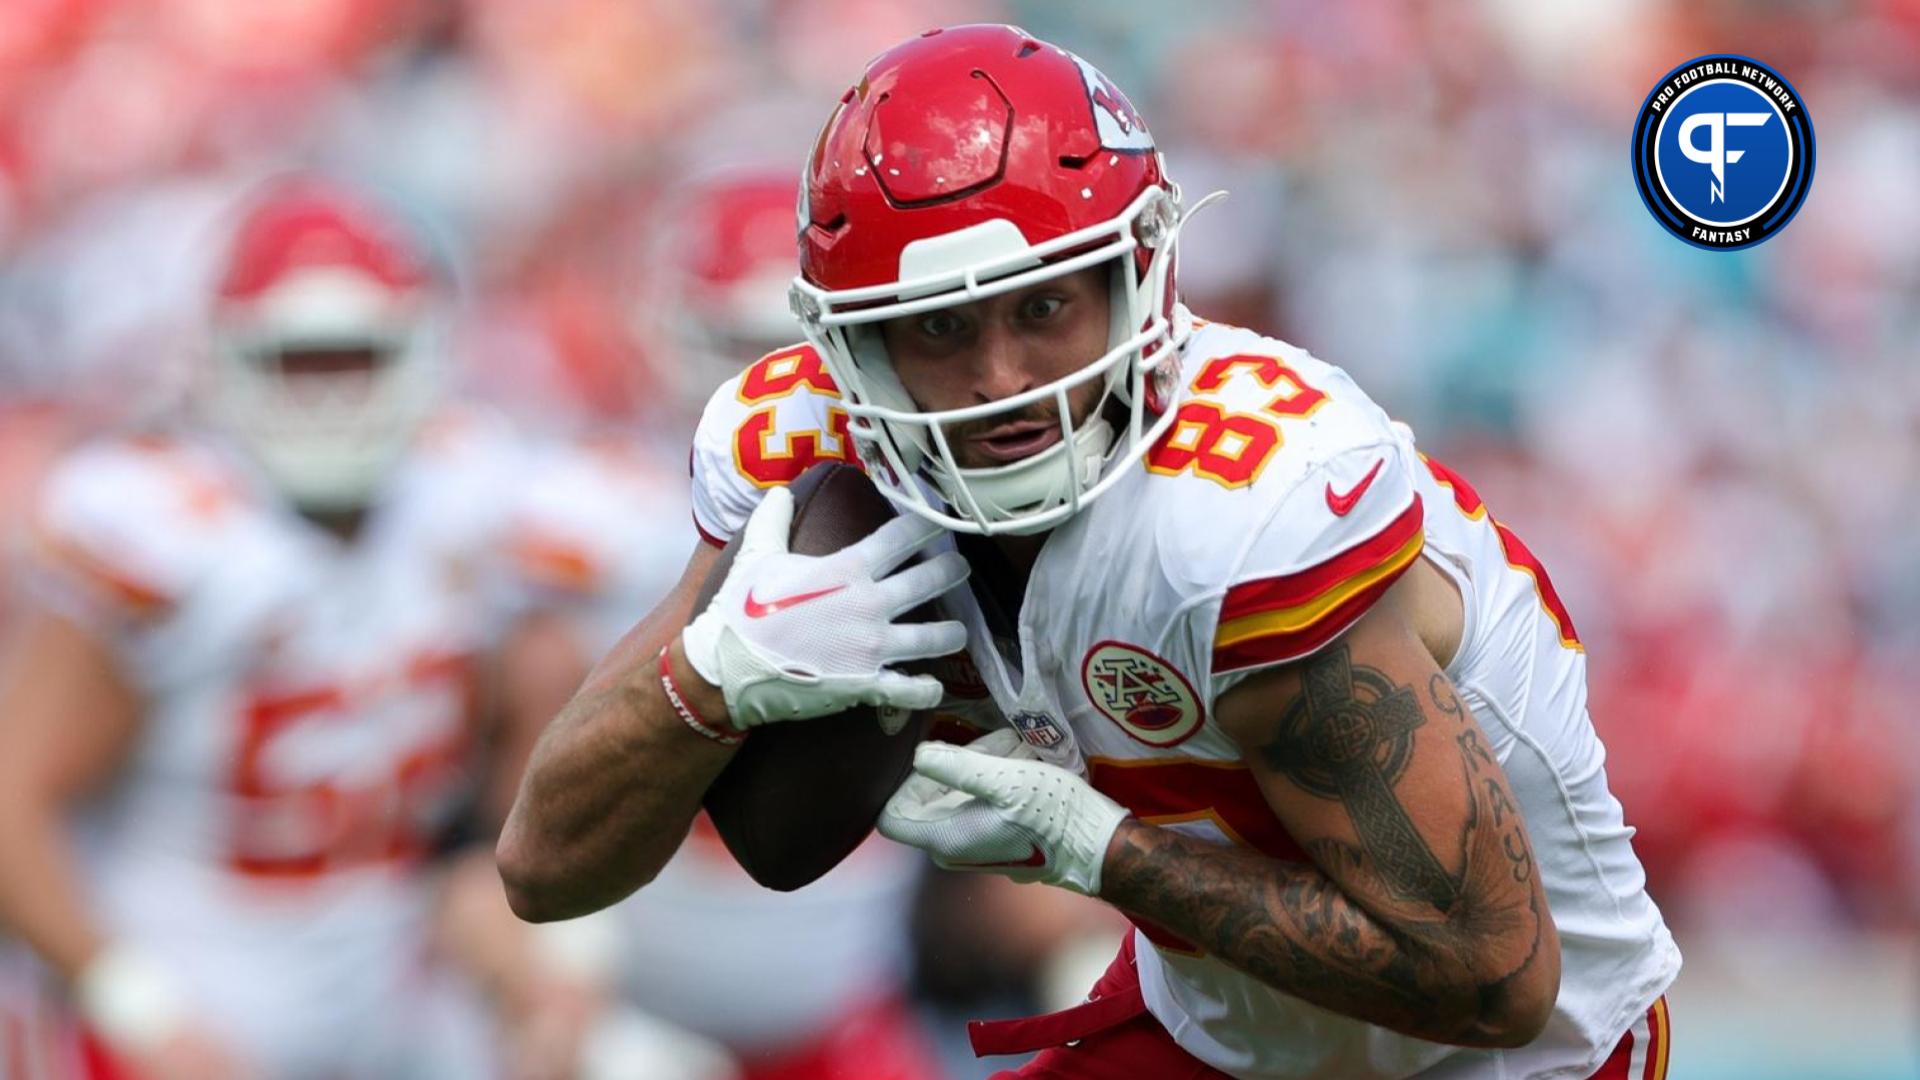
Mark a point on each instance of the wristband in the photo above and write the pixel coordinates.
(723, 736)
(128, 999)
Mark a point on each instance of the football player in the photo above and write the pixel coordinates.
(240, 708)
(1280, 688)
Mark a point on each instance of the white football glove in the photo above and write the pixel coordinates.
(990, 805)
(792, 636)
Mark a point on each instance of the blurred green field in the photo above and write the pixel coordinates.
(1843, 1008)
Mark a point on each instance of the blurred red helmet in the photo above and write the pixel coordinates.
(724, 267)
(323, 329)
(968, 162)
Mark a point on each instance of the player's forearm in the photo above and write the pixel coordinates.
(42, 901)
(609, 793)
(1291, 927)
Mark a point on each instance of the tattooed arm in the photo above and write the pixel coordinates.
(1420, 910)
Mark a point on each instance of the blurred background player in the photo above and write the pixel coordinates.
(241, 709)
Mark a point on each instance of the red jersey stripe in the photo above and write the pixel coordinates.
(1281, 647)
(1304, 586)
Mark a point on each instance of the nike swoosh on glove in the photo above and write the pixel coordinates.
(793, 636)
(991, 805)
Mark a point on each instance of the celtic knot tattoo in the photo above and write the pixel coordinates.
(1348, 737)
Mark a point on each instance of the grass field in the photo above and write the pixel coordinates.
(1846, 1008)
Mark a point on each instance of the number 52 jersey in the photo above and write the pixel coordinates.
(1277, 507)
(306, 733)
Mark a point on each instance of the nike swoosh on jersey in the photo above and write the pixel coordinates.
(759, 610)
(1341, 505)
(1037, 858)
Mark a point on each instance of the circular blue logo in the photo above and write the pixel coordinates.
(1723, 152)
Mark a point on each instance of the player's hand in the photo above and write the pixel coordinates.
(131, 1002)
(990, 805)
(791, 636)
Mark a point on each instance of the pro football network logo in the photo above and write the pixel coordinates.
(1723, 152)
(1142, 693)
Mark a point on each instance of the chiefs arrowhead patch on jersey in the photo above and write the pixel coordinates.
(1149, 698)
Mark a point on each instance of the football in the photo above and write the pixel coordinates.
(798, 797)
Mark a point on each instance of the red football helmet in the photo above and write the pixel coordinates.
(965, 163)
(724, 261)
(325, 364)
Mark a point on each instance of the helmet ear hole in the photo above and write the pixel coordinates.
(1159, 388)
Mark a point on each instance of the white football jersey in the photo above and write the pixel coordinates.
(1278, 507)
(598, 534)
(793, 962)
(306, 735)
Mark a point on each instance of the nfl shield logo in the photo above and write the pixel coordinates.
(1037, 729)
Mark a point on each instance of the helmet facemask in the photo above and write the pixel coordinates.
(902, 443)
(327, 439)
(325, 341)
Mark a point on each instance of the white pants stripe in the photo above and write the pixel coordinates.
(1638, 1065)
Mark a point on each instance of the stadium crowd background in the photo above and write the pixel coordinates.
(1718, 455)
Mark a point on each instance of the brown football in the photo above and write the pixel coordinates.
(799, 796)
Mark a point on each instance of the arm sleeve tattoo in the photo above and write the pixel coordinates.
(1429, 938)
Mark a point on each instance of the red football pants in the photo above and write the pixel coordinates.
(1642, 1052)
(1113, 1037)
(1110, 1037)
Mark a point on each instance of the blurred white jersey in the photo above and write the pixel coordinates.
(789, 964)
(615, 526)
(1276, 510)
(306, 735)
(598, 535)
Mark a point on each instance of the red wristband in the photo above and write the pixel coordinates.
(722, 735)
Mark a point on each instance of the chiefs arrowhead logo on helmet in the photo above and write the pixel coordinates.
(1119, 125)
(1115, 108)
